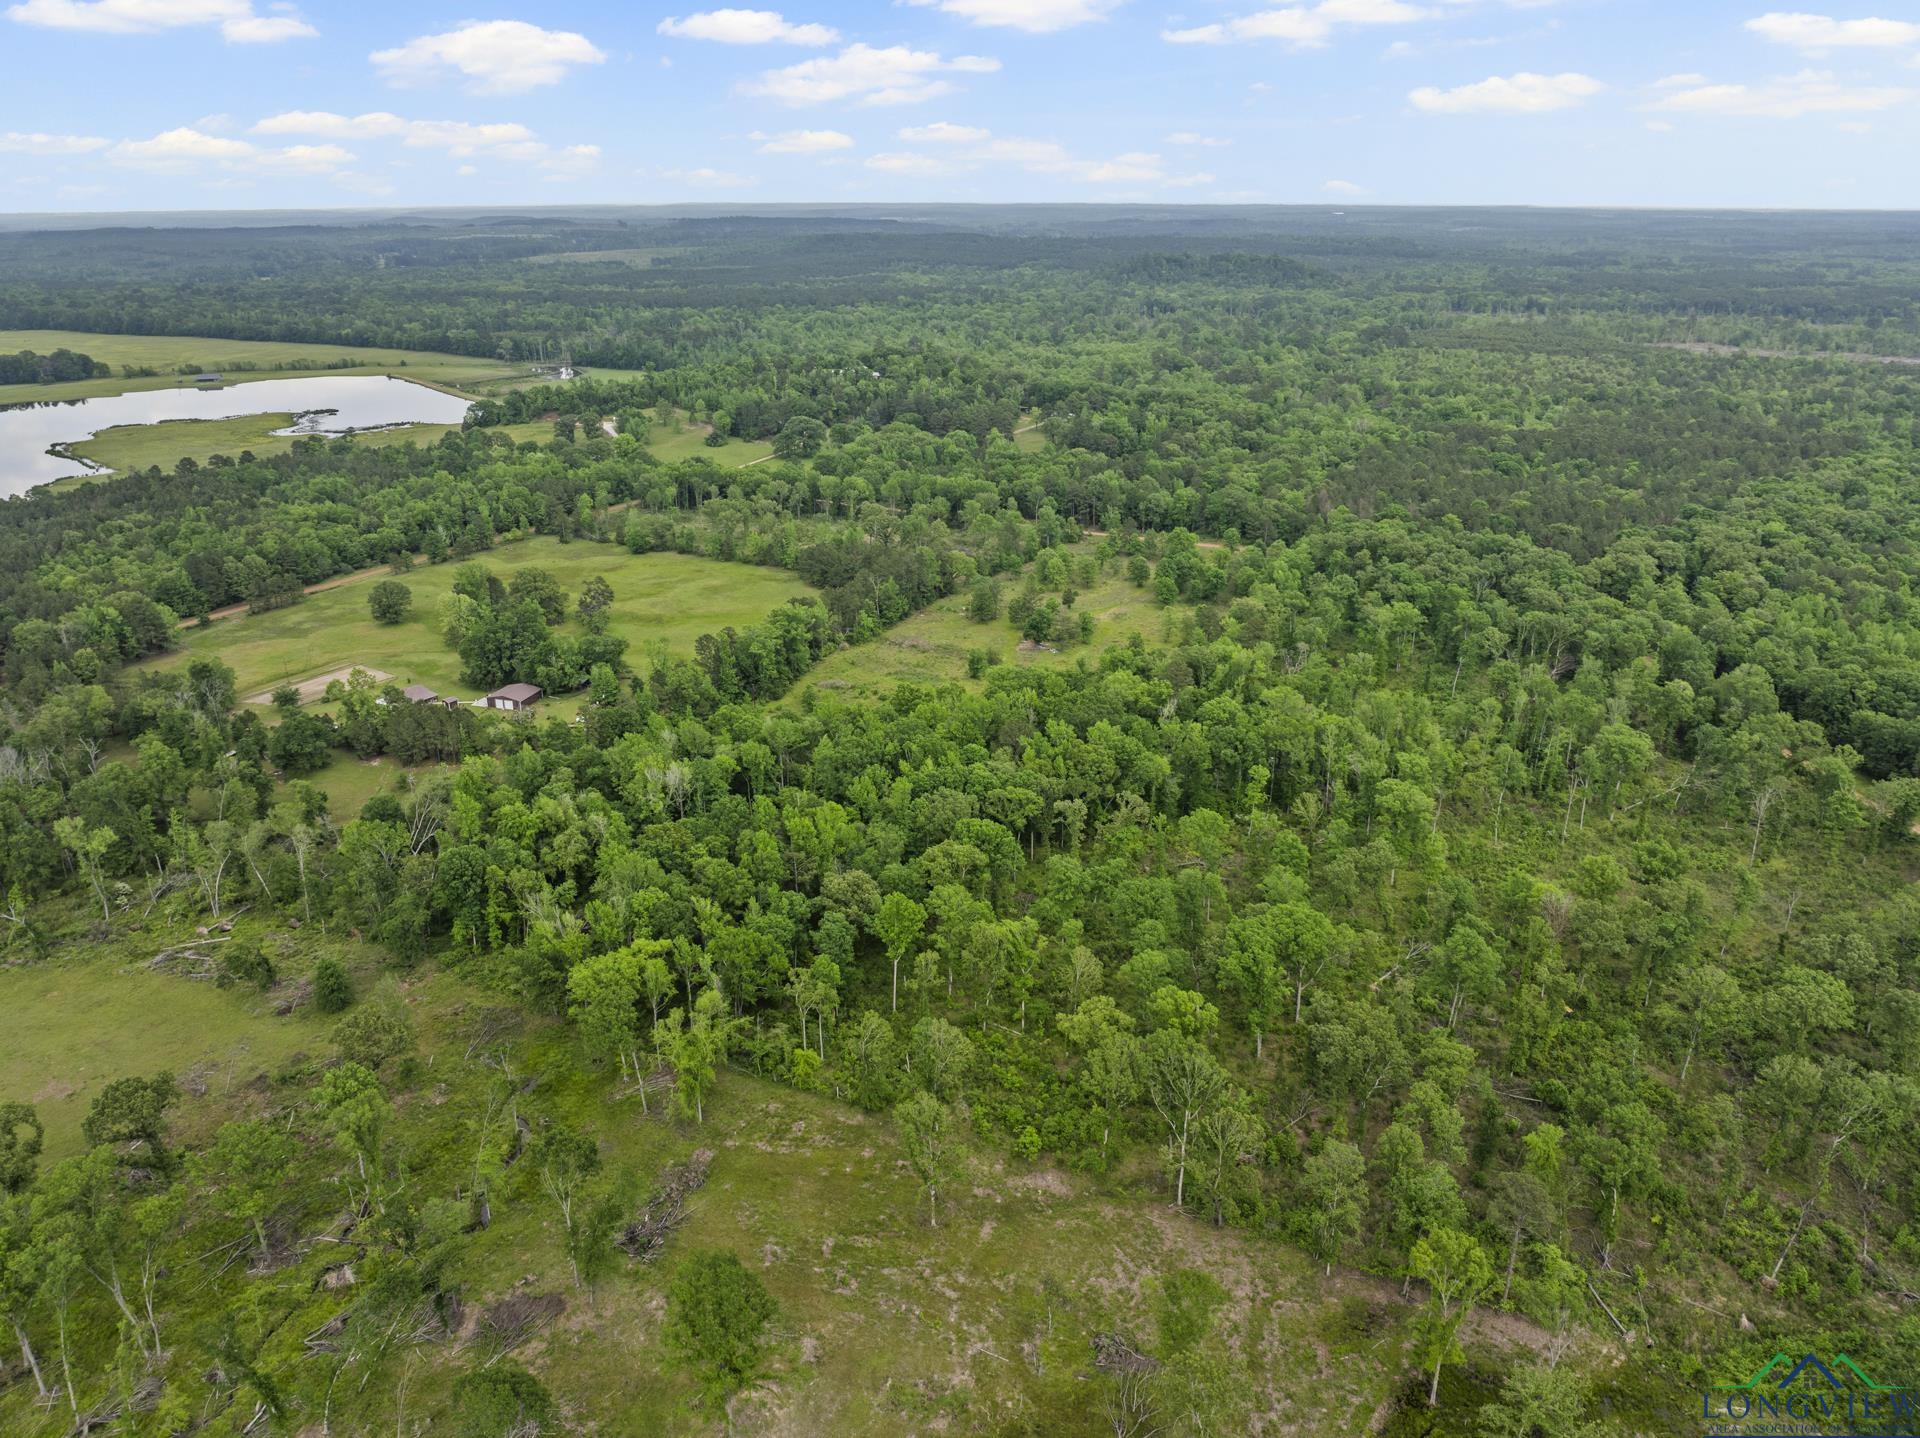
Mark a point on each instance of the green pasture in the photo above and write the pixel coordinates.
(680, 438)
(671, 597)
(70, 1026)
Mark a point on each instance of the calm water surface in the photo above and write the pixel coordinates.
(330, 404)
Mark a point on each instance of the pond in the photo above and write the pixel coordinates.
(31, 434)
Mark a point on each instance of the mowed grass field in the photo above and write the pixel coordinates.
(930, 647)
(271, 359)
(678, 437)
(671, 597)
(136, 446)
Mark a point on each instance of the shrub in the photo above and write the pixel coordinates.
(332, 989)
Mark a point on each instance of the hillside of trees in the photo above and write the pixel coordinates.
(1492, 872)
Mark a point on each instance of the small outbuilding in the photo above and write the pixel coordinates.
(418, 694)
(206, 379)
(512, 696)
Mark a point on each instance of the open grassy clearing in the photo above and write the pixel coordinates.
(136, 446)
(886, 1325)
(70, 1026)
(1027, 435)
(670, 597)
(930, 647)
(680, 438)
(349, 782)
(270, 359)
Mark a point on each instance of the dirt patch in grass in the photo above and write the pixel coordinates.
(315, 688)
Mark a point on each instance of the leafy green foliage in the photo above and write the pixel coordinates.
(717, 1317)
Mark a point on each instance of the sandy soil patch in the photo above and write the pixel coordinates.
(316, 687)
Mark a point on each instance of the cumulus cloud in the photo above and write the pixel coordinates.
(1038, 17)
(457, 136)
(35, 142)
(497, 57)
(506, 141)
(803, 142)
(895, 75)
(1823, 32)
(186, 149)
(1343, 187)
(1523, 94)
(1300, 25)
(1811, 92)
(746, 27)
(235, 19)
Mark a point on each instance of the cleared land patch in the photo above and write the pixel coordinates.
(931, 647)
(681, 438)
(670, 597)
(886, 1325)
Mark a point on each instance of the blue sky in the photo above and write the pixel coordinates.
(192, 104)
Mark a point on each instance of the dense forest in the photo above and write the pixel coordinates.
(1490, 872)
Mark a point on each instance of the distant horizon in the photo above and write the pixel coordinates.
(21, 219)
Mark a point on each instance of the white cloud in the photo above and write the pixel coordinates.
(1190, 137)
(1300, 25)
(1674, 82)
(457, 136)
(1823, 32)
(1038, 17)
(1343, 187)
(1523, 94)
(180, 149)
(35, 142)
(1811, 92)
(236, 19)
(305, 159)
(503, 141)
(709, 179)
(895, 75)
(269, 30)
(746, 27)
(803, 142)
(498, 57)
(1660, 127)
(965, 149)
(940, 132)
(186, 149)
